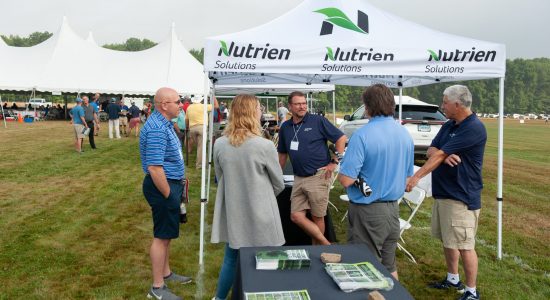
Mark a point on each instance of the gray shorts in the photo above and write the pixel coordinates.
(377, 225)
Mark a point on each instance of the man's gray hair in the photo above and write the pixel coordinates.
(459, 93)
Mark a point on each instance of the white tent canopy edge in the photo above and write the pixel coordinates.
(326, 46)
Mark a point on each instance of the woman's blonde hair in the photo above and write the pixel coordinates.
(243, 120)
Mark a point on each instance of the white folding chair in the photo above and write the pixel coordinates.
(413, 200)
(344, 198)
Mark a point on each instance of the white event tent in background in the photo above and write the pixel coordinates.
(352, 42)
(68, 63)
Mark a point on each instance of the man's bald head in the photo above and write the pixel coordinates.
(166, 102)
(165, 94)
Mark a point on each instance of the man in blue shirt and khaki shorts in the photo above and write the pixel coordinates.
(456, 159)
(304, 138)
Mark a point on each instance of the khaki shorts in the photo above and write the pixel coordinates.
(454, 224)
(78, 128)
(123, 121)
(310, 193)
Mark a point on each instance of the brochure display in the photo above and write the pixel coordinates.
(295, 259)
(283, 295)
(352, 277)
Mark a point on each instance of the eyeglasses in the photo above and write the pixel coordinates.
(177, 101)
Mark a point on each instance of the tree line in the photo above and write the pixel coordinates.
(526, 87)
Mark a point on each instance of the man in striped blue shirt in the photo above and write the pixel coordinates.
(162, 163)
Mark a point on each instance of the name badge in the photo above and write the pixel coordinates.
(294, 145)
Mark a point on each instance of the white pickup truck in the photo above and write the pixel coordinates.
(37, 102)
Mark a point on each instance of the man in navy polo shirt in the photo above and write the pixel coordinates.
(162, 163)
(456, 158)
(304, 138)
(381, 153)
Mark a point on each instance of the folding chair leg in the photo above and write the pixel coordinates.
(344, 217)
(406, 252)
(333, 206)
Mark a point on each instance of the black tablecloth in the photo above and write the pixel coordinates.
(294, 235)
(318, 283)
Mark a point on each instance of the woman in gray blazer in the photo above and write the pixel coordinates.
(246, 212)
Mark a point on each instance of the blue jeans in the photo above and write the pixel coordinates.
(227, 273)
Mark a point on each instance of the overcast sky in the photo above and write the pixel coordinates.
(523, 26)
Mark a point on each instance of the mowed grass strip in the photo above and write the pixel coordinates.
(76, 226)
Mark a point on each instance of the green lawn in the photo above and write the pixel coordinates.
(77, 226)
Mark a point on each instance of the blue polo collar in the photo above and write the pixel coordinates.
(157, 115)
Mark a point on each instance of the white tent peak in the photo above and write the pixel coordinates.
(66, 62)
(90, 39)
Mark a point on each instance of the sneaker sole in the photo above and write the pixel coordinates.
(172, 281)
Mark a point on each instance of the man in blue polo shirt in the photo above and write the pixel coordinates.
(304, 139)
(456, 159)
(79, 124)
(381, 154)
(162, 163)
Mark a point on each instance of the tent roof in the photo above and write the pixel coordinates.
(68, 63)
(90, 39)
(348, 42)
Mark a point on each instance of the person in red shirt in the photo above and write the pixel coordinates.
(186, 103)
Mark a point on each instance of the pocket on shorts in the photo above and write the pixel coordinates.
(463, 229)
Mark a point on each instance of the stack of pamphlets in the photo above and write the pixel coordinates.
(283, 295)
(282, 259)
(351, 277)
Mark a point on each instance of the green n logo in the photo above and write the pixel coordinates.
(330, 54)
(338, 18)
(433, 55)
(223, 49)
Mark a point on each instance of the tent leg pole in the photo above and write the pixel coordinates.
(500, 161)
(203, 169)
(334, 106)
(400, 104)
(3, 115)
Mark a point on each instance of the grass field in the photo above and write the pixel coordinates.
(77, 226)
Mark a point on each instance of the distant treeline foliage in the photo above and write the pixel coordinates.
(526, 88)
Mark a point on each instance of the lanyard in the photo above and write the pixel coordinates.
(296, 131)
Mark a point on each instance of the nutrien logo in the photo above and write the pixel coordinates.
(338, 18)
(251, 51)
(338, 54)
(462, 55)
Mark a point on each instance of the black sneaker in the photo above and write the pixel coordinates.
(469, 296)
(447, 285)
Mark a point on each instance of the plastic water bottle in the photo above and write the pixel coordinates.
(183, 213)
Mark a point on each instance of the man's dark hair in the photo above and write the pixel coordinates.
(295, 94)
(379, 101)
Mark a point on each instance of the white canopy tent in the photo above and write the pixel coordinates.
(353, 43)
(68, 63)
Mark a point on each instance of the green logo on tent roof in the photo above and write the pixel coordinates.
(340, 19)
(433, 55)
(330, 54)
(224, 48)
